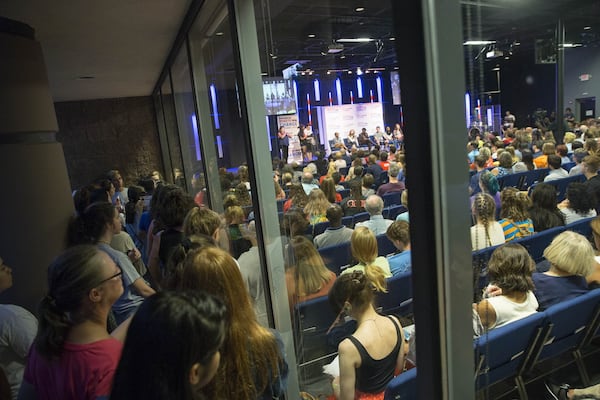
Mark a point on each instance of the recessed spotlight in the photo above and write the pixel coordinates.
(392, 38)
(312, 35)
(587, 28)
(517, 43)
(328, 72)
(349, 72)
(263, 74)
(85, 77)
(507, 58)
(359, 9)
(219, 34)
(342, 57)
(396, 67)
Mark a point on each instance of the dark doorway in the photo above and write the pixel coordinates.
(587, 108)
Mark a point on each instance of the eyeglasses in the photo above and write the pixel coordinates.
(117, 275)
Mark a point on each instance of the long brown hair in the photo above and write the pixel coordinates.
(310, 271)
(249, 358)
(363, 245)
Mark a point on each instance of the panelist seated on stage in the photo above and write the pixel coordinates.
(352, 139)
(364, 139)
(337, 143)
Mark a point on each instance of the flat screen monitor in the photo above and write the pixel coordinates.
(279, 96)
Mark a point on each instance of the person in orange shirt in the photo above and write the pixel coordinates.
(542, 161)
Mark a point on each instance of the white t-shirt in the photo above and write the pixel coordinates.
(478, 239)
(508, 311)
(18, 328)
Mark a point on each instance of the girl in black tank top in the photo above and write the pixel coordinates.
(371, 356)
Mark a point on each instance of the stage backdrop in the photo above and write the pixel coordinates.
(290, 122)
(349, 116)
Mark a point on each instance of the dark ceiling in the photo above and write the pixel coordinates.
(293, 31)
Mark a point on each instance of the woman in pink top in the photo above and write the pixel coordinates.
(73, 356)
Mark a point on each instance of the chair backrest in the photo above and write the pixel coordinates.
(319, 228)
(384, 245)
(360, 217)
(561, 185)
(582, 227)
(537, 243)
(531, 177)
(335, 257)
(348, 221)
(398, 299)
(567, 166)
(480, 260)
(391, 199)
(403, 386)
(570, 321)
(507, 351)
(344, 193)
(344, 171)
(512, 180)
(394, 211)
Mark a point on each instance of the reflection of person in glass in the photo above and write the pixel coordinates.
(283, 140)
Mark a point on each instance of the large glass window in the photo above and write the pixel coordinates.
(172, 133)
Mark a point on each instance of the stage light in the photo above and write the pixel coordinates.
(478, 42)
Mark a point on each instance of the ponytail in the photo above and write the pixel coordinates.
(376, 278)
(54, 325)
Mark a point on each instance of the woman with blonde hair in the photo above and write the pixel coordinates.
(307, 277)
(363, 245)
(571, 259)
(252, 361)
(204, 221)
(515, 222)
(487, 231)
(316, 207)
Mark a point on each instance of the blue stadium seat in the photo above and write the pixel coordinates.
(512, 180)
(344, 171)
(398, 299)
(391, 199)
(344, 193)
(567, 166)
(561, 185)
(582, 227)
(480, 260)
(507, 351)
(531, 177)
(348, 221)
(394, 211)
(385, 245)
(537, 243)
(336, 257)
(360, 217)
(403, 386)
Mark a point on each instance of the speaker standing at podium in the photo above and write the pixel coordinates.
(284, 143)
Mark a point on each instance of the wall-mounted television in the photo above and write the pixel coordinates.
(279, 96)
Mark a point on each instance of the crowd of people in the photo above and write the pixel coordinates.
(152, 258)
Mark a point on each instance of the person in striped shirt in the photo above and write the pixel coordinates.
(515, 222)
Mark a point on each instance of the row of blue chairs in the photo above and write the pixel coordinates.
(520, 350)
(535, 245)
(523, 180)
(561, 185)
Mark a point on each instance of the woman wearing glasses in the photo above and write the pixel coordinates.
(376, 351)
(73, 356)
(97, 225)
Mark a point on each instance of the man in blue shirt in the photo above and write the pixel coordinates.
(399, 235)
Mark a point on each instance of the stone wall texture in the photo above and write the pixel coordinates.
(105, 134)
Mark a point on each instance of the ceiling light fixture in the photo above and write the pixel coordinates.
(571, 45)
(392, 38)
(312, 35)
(359, 9)
(478, 42)
(219, 34)
(587, 28)
(355, 40)
(359, 71)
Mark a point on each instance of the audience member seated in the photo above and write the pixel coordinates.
(308, 182)
(238, 244)
(243, 194)
(541, 161)
(316, 207)
(355, 202)
(306, 276)
(487, 231)
(489, 184)
(335, 233)
(73, 356)
(526, 163)
(369, 357)
(376, 223)
(578, 156)
(562, 152)
(363, 245)
(393, 185)
(373, 168)
(399, 234)
(505, 163)
(179, 364)
(515, 222)
(510, 268)
(591, 164)
(253, 364)
(474, 181)
(571, 259)
(18, 328)
(544, 212)
(367, 185)
(352, 173)
(578, 205)
(339, 161)
(295, 224)
(404, 201)
(297, 198)
(556, 171)
(328, 187)
(566, 392)
(97, 225)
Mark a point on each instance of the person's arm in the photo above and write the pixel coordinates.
(142, 288)
(349, 359)
(487, 314)
(594, 277)
(27, 391)
(149, 238)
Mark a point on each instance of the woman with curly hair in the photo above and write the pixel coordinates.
(510, 268)
(297, 197)
(578, 204)
(487, 231)
(252, 358)
(316, 207)
(515, 222)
